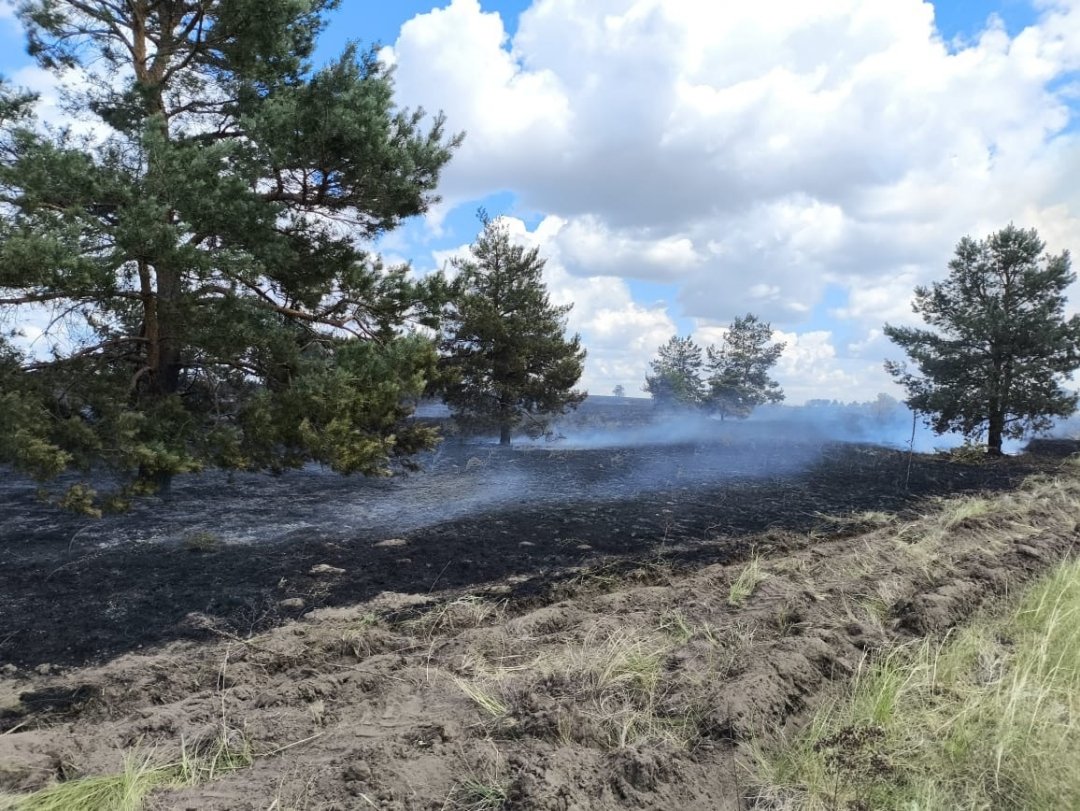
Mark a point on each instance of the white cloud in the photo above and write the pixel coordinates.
(755, 153)
(50, 108)
(810, 368)
(454, 58)
(590, 247)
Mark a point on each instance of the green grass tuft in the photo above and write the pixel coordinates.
(228, 751)
(749, 578)
(203, 542)
(989, 718)
(476, 795)
(117, 792)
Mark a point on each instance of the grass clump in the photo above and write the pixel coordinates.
(960, 511)
(227, 751)
(477, 795)
(989, 718)
(115, 792)
(359, 640)
(470, 611)
(485, 698)
(613, 684)
(202, 542)
(127, 791)
(608, 687)
(969, 453)
(749, 578)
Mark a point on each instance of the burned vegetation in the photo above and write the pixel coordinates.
(531, 628)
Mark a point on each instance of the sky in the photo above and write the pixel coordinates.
(683, 162)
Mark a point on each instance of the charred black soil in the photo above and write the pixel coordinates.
(530, 520)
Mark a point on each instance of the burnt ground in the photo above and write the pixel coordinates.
(74, 591)
(625, 685)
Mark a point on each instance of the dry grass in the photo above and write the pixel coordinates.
(746, 582)
(470, 611)
(989, 718)
(476, 795)
(609, 685)
(486, 697)
(616, 683)
(959, 511)
(484, 789)
(142, 774)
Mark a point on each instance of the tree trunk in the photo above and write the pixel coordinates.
(504, 434)
(994, 433)
(169, 291)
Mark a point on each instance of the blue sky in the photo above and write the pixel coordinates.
(681, 162)
(379, 21)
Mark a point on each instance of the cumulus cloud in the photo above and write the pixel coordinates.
(810, 368)
(752, 156)
(756, 154)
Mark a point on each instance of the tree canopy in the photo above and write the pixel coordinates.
(738, 370)
(731, 379)
(199, 252)
(999, 348)
(506, 360)
(675, 379)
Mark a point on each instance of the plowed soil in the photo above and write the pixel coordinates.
(571, 644)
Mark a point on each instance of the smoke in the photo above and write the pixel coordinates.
(890, 427)
(889, 424)
(603, 453)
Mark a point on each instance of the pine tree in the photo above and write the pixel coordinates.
(676, 375)
(738, 370)
(1000, 345)
(199, 251)
(505, 358)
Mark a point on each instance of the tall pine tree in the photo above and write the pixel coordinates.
(675, 381)
(198, 255)
(738, 370)
(506, 360)
(1000, 346)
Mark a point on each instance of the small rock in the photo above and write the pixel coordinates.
(43, 669)
(292, 603)
(526, 543)
(9, 670)
(450, 732)
(405, 561)
(358, 771)
(584, 547)
(325, 568)
(393, 542)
